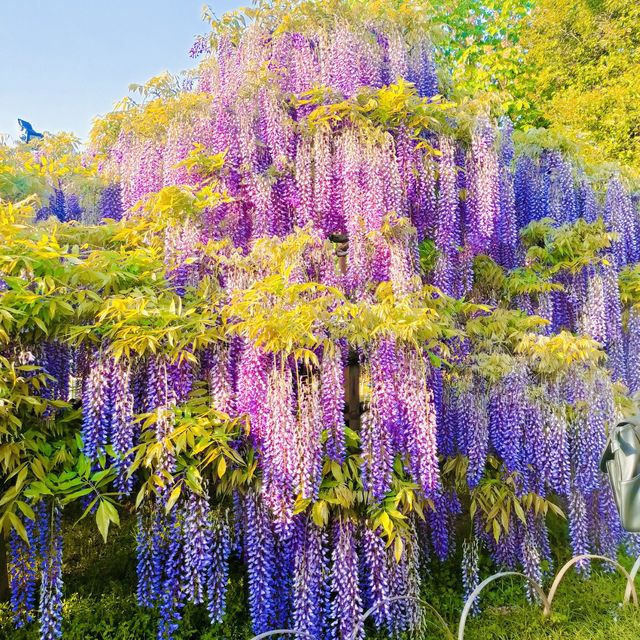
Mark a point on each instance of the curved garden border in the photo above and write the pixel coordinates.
(476, 592)
(629, 591)
(630, 595)
(424, 603)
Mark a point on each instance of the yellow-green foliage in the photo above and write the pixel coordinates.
(586, 62)
(570, 247)
(149, 119)
(32, 169)
(629, 281)
(550, 251)
(479, 47)
(280, 16)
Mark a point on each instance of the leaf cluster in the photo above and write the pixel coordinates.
(388, 108)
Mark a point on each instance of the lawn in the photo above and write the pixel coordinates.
(100, 602)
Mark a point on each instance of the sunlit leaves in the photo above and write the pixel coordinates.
(203, 164)
(629, 281)
(558, 352)
(151, 118)
(584, 59)
(34, 168)
(177, 203)
(201, 443)
(497, 501)
(568, 247)
(387, 108)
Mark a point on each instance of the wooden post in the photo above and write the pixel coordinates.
(342, 249)
(352, 391)
(4, 570)
(342, 262)
(352, 372)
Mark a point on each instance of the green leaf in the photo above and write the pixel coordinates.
(398, 548)
(173, 497)
(114, 516)
(496, 530)
(320, 513)
(16, 523)
(26, 509)
(103, 520)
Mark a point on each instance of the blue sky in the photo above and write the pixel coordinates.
(62, 62)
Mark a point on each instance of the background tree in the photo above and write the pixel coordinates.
(586, 61)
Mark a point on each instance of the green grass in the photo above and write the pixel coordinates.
(100, 602)
(582, 610)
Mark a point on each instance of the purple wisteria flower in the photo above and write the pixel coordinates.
(51, 583)
(376, 576)
(470, 571)
(259, 550)
(218, 566)
(347, 602)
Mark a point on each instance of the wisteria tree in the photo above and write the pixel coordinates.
(303, 311)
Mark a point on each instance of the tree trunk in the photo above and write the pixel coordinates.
(4, 572)
(352, 391)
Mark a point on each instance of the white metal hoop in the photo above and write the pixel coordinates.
(476, 592)
(630, 591)
(424, 603)
(284, 632)
(630, 595)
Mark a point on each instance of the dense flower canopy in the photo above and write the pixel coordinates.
(318, 318)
